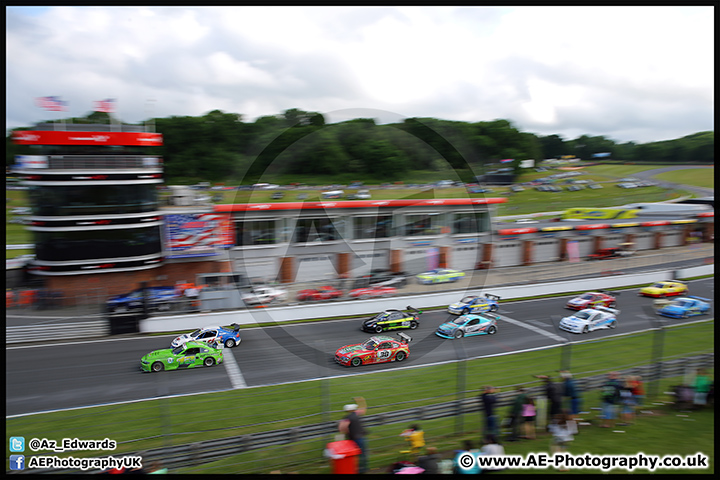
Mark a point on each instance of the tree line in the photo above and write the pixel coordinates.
(219, 146)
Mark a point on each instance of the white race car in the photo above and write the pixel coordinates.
(212, 334)
(263, 294)
(590, 319)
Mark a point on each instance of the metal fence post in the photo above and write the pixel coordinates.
(461, 369)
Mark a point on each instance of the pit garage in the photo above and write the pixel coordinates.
(546, 250)
(507, 254)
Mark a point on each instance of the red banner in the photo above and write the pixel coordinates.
(60, 137)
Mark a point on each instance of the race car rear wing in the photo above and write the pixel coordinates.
(235, 326)
(404, 337)
(413, 310)
(614, 311)
(492, 297)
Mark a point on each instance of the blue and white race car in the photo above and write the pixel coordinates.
(685, 307)
(590, 319)
(475, 304)
(217, 335)
(468, 325)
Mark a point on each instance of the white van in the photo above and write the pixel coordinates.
(332, 194)
(666, 208)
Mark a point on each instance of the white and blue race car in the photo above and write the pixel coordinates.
(590, 319)
(475, 304)
(468, 325)
(211, 335)
(685, 307)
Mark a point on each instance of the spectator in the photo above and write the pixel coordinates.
(610, 394)
(516, 414)
(489, 400)
(528, 414)
(702, 388)
(429, 461)
(416, 437)
(352, 427)
(571, 393)
(491, 446)
(554, 396)
(468, 448)
(562, 429)
(627, 403)
(638, 390)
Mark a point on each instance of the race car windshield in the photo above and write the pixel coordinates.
(196, 333)
(467, 299)
(683, 303)
(583, 315)
(586, 296)
(178, 350)
(369, 345)
(460, 321)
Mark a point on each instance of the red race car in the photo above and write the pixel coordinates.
(321, 293)
(377, 349)
(592, 300)
(373, 292)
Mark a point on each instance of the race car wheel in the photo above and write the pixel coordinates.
(378, 329)
(356, 362)
(400, 356)
(685, 315)
(459, 334)
(413, 325)
(493, 308)
(229, 343)
(209, 362)
(612, 305)
(492, 330)
(465, 311)
(613, 324)
(157, 367)
(586, 329)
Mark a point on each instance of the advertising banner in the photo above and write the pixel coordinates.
(61, 137)
(197, 234)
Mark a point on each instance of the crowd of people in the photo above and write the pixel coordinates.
(556, 412)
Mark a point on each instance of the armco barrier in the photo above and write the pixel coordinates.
(59, 331)
(202, 452)
(367, 307)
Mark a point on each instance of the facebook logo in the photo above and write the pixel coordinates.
(17, 462)
(17, 444)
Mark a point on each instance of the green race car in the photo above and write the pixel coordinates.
(189, 355)
(440, 275)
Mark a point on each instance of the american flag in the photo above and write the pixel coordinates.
(52, 103)
(107, 105)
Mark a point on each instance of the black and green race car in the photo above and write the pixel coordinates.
(189, 355)
(392, 319)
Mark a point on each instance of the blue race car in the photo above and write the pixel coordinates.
(685, 307)
(475, 304)
(468, 325)
(159, 298)
(211, 335)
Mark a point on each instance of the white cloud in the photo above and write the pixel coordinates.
(628, 71)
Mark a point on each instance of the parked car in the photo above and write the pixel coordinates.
(392, 319)
(325, 292)
(664, 289)
(373, 291)
(440, 275)
(685, 307)
(377, 349)
(592, 300)
(263, 295)
(381, 276)
(277, 195)
(158, 298)
(475, 304)
(590, 319)
(468, 325)
(189, 355)
(211, 335)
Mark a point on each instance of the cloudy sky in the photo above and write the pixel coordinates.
(629, 73)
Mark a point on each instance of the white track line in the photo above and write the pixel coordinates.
(533, 328)
(233, 370)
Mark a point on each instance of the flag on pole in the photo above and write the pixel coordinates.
(107, 106)
(51, 103)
